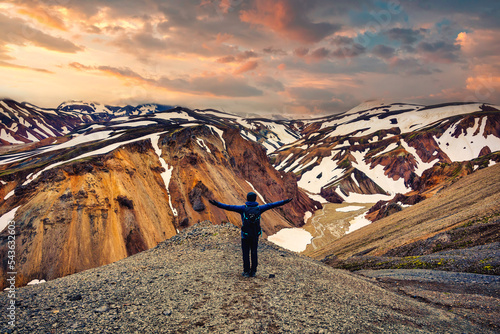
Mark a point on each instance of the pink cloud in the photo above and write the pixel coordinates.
(287, 18)
(248, 66)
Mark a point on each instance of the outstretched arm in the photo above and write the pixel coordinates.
(235, 208)
(269, 206)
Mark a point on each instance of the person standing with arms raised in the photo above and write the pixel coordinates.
(250, 229)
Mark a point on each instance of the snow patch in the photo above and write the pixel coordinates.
(307, 215)
(467, 147)
(349, 208)
(389, 148)
(283, 163)
(421, 166)
(8, 137)
(255, 191)
(294, 239)
(103, 150)
(377, 174)
(135, 124)
(363, 198)
(35, 281)
(202, 144)
(220, 133)
(7, 217)
(167, 174)
(358, 222)
(307, 164)
(10, 194)
(320, 175)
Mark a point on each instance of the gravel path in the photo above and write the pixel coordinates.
(192, 283)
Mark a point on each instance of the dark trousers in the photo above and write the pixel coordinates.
(249, 246)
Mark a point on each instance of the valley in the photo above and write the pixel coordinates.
(100, 183)
(333, 222)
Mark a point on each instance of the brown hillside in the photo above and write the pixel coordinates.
(475, 195)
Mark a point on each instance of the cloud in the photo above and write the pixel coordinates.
(310, 93)
(10, 65)
(341, 40)
(383, 51)
(301, 51)
(207, 49)
(288, 18)
(270, 83)
(314, 100)
(209, 84)
(349, 51)
(44, 16)
(248, 66)
(320, 53)
(216, 85)
(483, 51)
(480, 43)
(239, 57)
(226, 59)
(411, 66)
(439, 51)
(405, 36)
(18, 32)
(274, 52)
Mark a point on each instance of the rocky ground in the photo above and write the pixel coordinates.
(192, 283)
(473, 296)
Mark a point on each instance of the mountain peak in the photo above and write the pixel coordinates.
(375, 104)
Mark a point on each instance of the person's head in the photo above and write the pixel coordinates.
(251, 197)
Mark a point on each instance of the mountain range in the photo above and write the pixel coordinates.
(89, 184)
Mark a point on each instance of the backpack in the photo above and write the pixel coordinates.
(251, 222)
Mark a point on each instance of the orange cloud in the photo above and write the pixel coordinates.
(207, 84)
(248, 66)
(44, 17)
(21, 67)
(482, 48)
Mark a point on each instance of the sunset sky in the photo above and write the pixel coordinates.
(266, 57)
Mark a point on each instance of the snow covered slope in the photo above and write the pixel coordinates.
(387, 149)
(22, 123)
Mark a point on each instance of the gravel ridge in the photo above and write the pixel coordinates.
(192, 283)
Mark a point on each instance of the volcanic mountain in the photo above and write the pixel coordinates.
(391, 149)
(23, 123)
(111, 189)
(108, 182)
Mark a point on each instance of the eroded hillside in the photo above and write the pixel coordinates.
(103, 195)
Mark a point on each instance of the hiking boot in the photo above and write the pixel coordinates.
(252, 274)
(246, 274)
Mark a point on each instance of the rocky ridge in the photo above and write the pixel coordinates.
(192, 283)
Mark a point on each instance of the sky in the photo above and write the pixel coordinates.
(283, 58)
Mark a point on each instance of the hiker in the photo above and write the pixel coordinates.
(250, 229)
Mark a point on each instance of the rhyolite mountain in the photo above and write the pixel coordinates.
(385, 150)
(116, 187)
(107, 182)
(23, 123)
